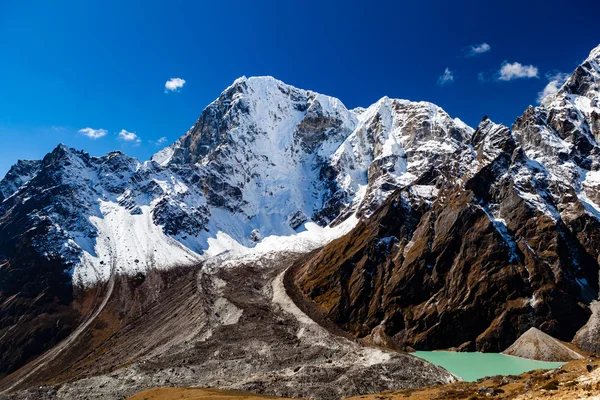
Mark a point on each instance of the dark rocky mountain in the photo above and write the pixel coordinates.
(509, 245)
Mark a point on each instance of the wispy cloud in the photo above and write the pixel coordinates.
(129, 137)
(555, 81)
(93, 133)
(509, 71)
(159, 142)
(478, 49)
(174, 85)
(446, 78)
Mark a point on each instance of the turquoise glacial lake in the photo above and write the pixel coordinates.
(472, 365)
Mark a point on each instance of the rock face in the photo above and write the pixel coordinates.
(588, 337)
(17, 176)
(537, 345)
(507, 240)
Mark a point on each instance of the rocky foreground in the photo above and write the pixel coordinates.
(577, 380)
(229, 325)
(197, 394)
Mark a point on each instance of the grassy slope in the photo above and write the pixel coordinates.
(196, 394)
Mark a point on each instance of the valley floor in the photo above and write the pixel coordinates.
(228, 325)
(577, 380)
(241, 325)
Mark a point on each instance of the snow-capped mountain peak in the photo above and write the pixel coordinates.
(265, 158)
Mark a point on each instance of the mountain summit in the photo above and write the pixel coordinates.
(263, 159)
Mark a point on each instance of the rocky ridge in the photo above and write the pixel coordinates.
(263, 159)
(509, 242)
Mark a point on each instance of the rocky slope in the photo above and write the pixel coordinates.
(588, 337)
(509, 242)
(225, 324)
(536, 345)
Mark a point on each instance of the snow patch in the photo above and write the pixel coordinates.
(312, 237)
(128, 243)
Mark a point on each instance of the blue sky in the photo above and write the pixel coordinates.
(70, 65)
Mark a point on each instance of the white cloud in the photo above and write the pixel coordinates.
(93, 133)
(446, 78)
(159, 142)
(129, 136)
(478, 49)
(174, 84)
(556, 80)
(516, 70)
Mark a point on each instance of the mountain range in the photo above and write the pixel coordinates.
(404, 227)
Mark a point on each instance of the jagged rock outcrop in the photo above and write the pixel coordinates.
(507, 242)
(588, 337)
(536, 345)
